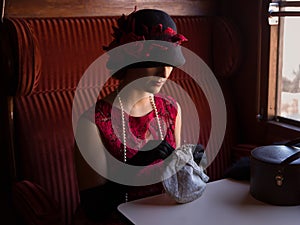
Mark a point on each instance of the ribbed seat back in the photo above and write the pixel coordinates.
(48, 57)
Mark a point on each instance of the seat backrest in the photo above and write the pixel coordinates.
(45, 58)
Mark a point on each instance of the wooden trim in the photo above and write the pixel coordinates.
(289, 3)
(273, 68)
(284, 13)
(284, 4)
(70, 8)
(279, 65)
(2, 2)
(263, 69)
(12, 154)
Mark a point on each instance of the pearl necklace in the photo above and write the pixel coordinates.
(152, 102)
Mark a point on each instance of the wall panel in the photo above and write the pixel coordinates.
(35, 8)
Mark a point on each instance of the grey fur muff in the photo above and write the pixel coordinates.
(188, 181)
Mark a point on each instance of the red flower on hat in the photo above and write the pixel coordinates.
(124, 33)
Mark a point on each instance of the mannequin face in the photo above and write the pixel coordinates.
(148, 79)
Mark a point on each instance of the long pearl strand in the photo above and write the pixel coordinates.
(152, 102)
(151, 98)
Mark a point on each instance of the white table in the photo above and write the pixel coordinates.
(224, 202)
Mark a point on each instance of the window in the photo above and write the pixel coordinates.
(284, 80)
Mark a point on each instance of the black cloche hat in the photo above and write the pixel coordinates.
(145, 38)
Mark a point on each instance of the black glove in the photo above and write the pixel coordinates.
(153, 150)
(198, 153)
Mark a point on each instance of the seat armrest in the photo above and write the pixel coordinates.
(242, 150)
(240, 169)
(34, 205)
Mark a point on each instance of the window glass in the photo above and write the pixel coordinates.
(288, 84)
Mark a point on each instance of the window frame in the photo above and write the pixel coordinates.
(275, 62)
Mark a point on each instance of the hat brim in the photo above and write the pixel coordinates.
(145, 54)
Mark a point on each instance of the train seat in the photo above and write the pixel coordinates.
(42, 62)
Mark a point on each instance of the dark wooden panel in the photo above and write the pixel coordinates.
(34, 8)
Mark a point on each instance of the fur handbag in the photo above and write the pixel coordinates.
(275, 174)
(189, 180)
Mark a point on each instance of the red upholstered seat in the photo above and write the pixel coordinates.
(43, 60)
(35, 204)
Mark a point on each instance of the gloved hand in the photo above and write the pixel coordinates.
(153, 150)
(198, 153)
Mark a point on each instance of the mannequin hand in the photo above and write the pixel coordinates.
(159, 149)
(198, 153)
(152, 151)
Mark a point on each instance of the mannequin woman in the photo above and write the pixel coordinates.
(137, 110)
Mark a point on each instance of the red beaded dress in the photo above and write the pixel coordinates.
(100, 203)
(138, 131)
